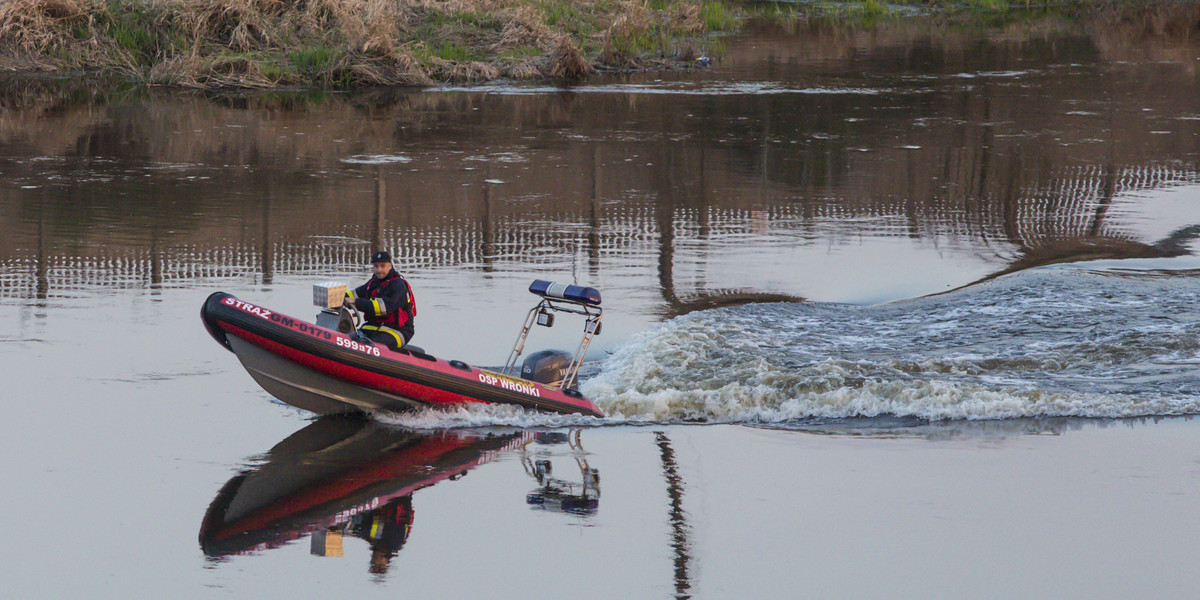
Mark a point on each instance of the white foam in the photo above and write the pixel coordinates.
(484, 415)
(1057, 345)
(931, 400)
(376, 159)
(999, 74)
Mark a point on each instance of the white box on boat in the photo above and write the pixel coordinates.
(329, 294)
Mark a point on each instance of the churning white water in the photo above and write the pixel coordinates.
(1054, 342)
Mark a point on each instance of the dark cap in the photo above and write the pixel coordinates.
(381, 256)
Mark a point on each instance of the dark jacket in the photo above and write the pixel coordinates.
(389, 302)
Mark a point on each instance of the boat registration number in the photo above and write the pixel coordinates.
(353, 345)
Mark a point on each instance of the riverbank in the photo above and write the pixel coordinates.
(345, 44)
(353, 43)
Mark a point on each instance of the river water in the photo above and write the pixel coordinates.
(906, 312)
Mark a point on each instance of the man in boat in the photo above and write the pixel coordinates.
(387, 304)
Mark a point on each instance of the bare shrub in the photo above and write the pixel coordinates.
(569, 64)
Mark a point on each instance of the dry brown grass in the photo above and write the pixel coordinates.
(239, 24)
(687, 18)
(33, 25)
(340, 43)
(525, 27)
(612, 55)
(523, 70)
(462, 71)
(569, 65)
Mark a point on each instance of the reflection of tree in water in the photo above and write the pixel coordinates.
(1067, 219)
(1076, 226)
(680, 530)
(491, 182)
(666, 222)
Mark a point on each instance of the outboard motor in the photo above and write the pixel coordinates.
(547, 366)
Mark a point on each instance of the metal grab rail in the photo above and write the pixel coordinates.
(591, 327)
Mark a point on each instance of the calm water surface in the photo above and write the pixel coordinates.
(934, 292)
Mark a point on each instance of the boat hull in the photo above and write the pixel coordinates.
(327, 372)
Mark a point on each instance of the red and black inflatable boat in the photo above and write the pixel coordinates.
(328, 372)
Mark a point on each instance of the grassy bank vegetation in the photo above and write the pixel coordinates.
(349, 43)
(356, 43)
(1160, 15)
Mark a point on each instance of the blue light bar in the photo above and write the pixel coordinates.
(563, 291)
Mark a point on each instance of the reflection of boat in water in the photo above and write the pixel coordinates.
(342, 475)
(327, 368)
(559, 495)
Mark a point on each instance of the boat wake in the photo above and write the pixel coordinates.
(485, 415)
(1051, 343)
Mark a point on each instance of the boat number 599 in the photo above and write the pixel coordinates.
(353, 345)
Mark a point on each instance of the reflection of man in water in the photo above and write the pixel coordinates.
(387, 304)
(385, 529)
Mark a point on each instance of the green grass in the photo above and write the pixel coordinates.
(478, 20)
(783, 14)
(988, 5)
(717, 16)
(520, 52)
(859, 13)
(877, 8)
(454, 52)
(454, 36)
(272, 70)
(280, 42)
(636, 42)
(135, 28)
(312, 60)
(425, 53)
(558, 11)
